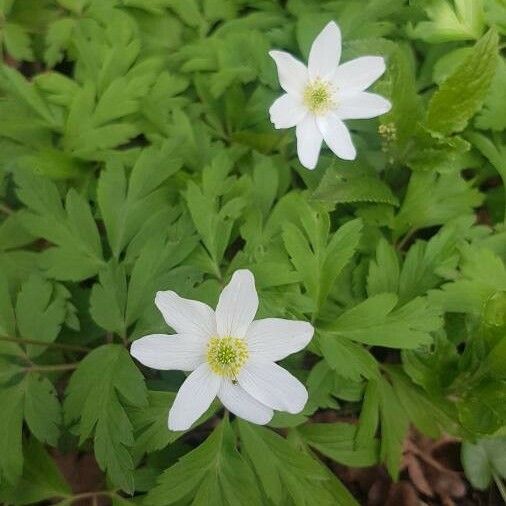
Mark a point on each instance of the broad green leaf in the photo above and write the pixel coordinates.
(463, 93)
(105, 380)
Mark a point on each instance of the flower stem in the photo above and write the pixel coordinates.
(51, 368)
(35, 342)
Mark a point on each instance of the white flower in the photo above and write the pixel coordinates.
(318, 98)
(231, 355)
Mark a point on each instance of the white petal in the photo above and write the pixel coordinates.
(292, 73)
(186, 316)
(325, 53)
(287, 111)
(183, 352)
(275, 338)
(359, 74)
(194, 397)
(363, 105)
(237, 305)
(239, 402)
(273, 386)
(309, 142)
(337, 136)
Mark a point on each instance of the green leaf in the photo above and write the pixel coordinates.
(337, 441)
(40, 313)
(17, 41)
(463, 93)
(433, 199)
(150, 423)
(41, 479)
(28, 397)
(394, 428)
(349, 359)
(318, 256)
(350, 184)
(213, 473)
(483, 460)
(482, 274)
(282, 470)
(77, 253)
(93, 399)
(463, 21)
(376, 322)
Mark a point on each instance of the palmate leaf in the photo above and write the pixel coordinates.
(27, 396)
(317, 255)
(214, 473)
(77, 250)
(433, 199)
(378, 322)
(451, 20)
(126, 207)
(93, 400)
(424, 267)
(287, 475)
(483, 273)
(337, 441)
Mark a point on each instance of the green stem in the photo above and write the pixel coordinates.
(51, 368)
(87, 495)
(405, 239)
(61, 346)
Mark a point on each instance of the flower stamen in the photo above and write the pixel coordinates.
(318, 96)
(226, 356)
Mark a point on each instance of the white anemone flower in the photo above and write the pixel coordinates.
(231, 356)
(320, 96)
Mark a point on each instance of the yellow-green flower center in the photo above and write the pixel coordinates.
(226, 356)
(318, 96)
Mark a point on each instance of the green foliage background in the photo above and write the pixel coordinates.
(137, 155)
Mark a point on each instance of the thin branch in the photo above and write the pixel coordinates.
(50, 368)
(400, 245)
(35, 342)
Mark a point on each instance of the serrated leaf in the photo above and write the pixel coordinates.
(282, 470)
(337, 441)
(462, 94)
(345, 184)
(213, 473)
(77, 253)
(40, 313)
(93, 400)
(451, 20)
(376, 322)
(41, 479)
